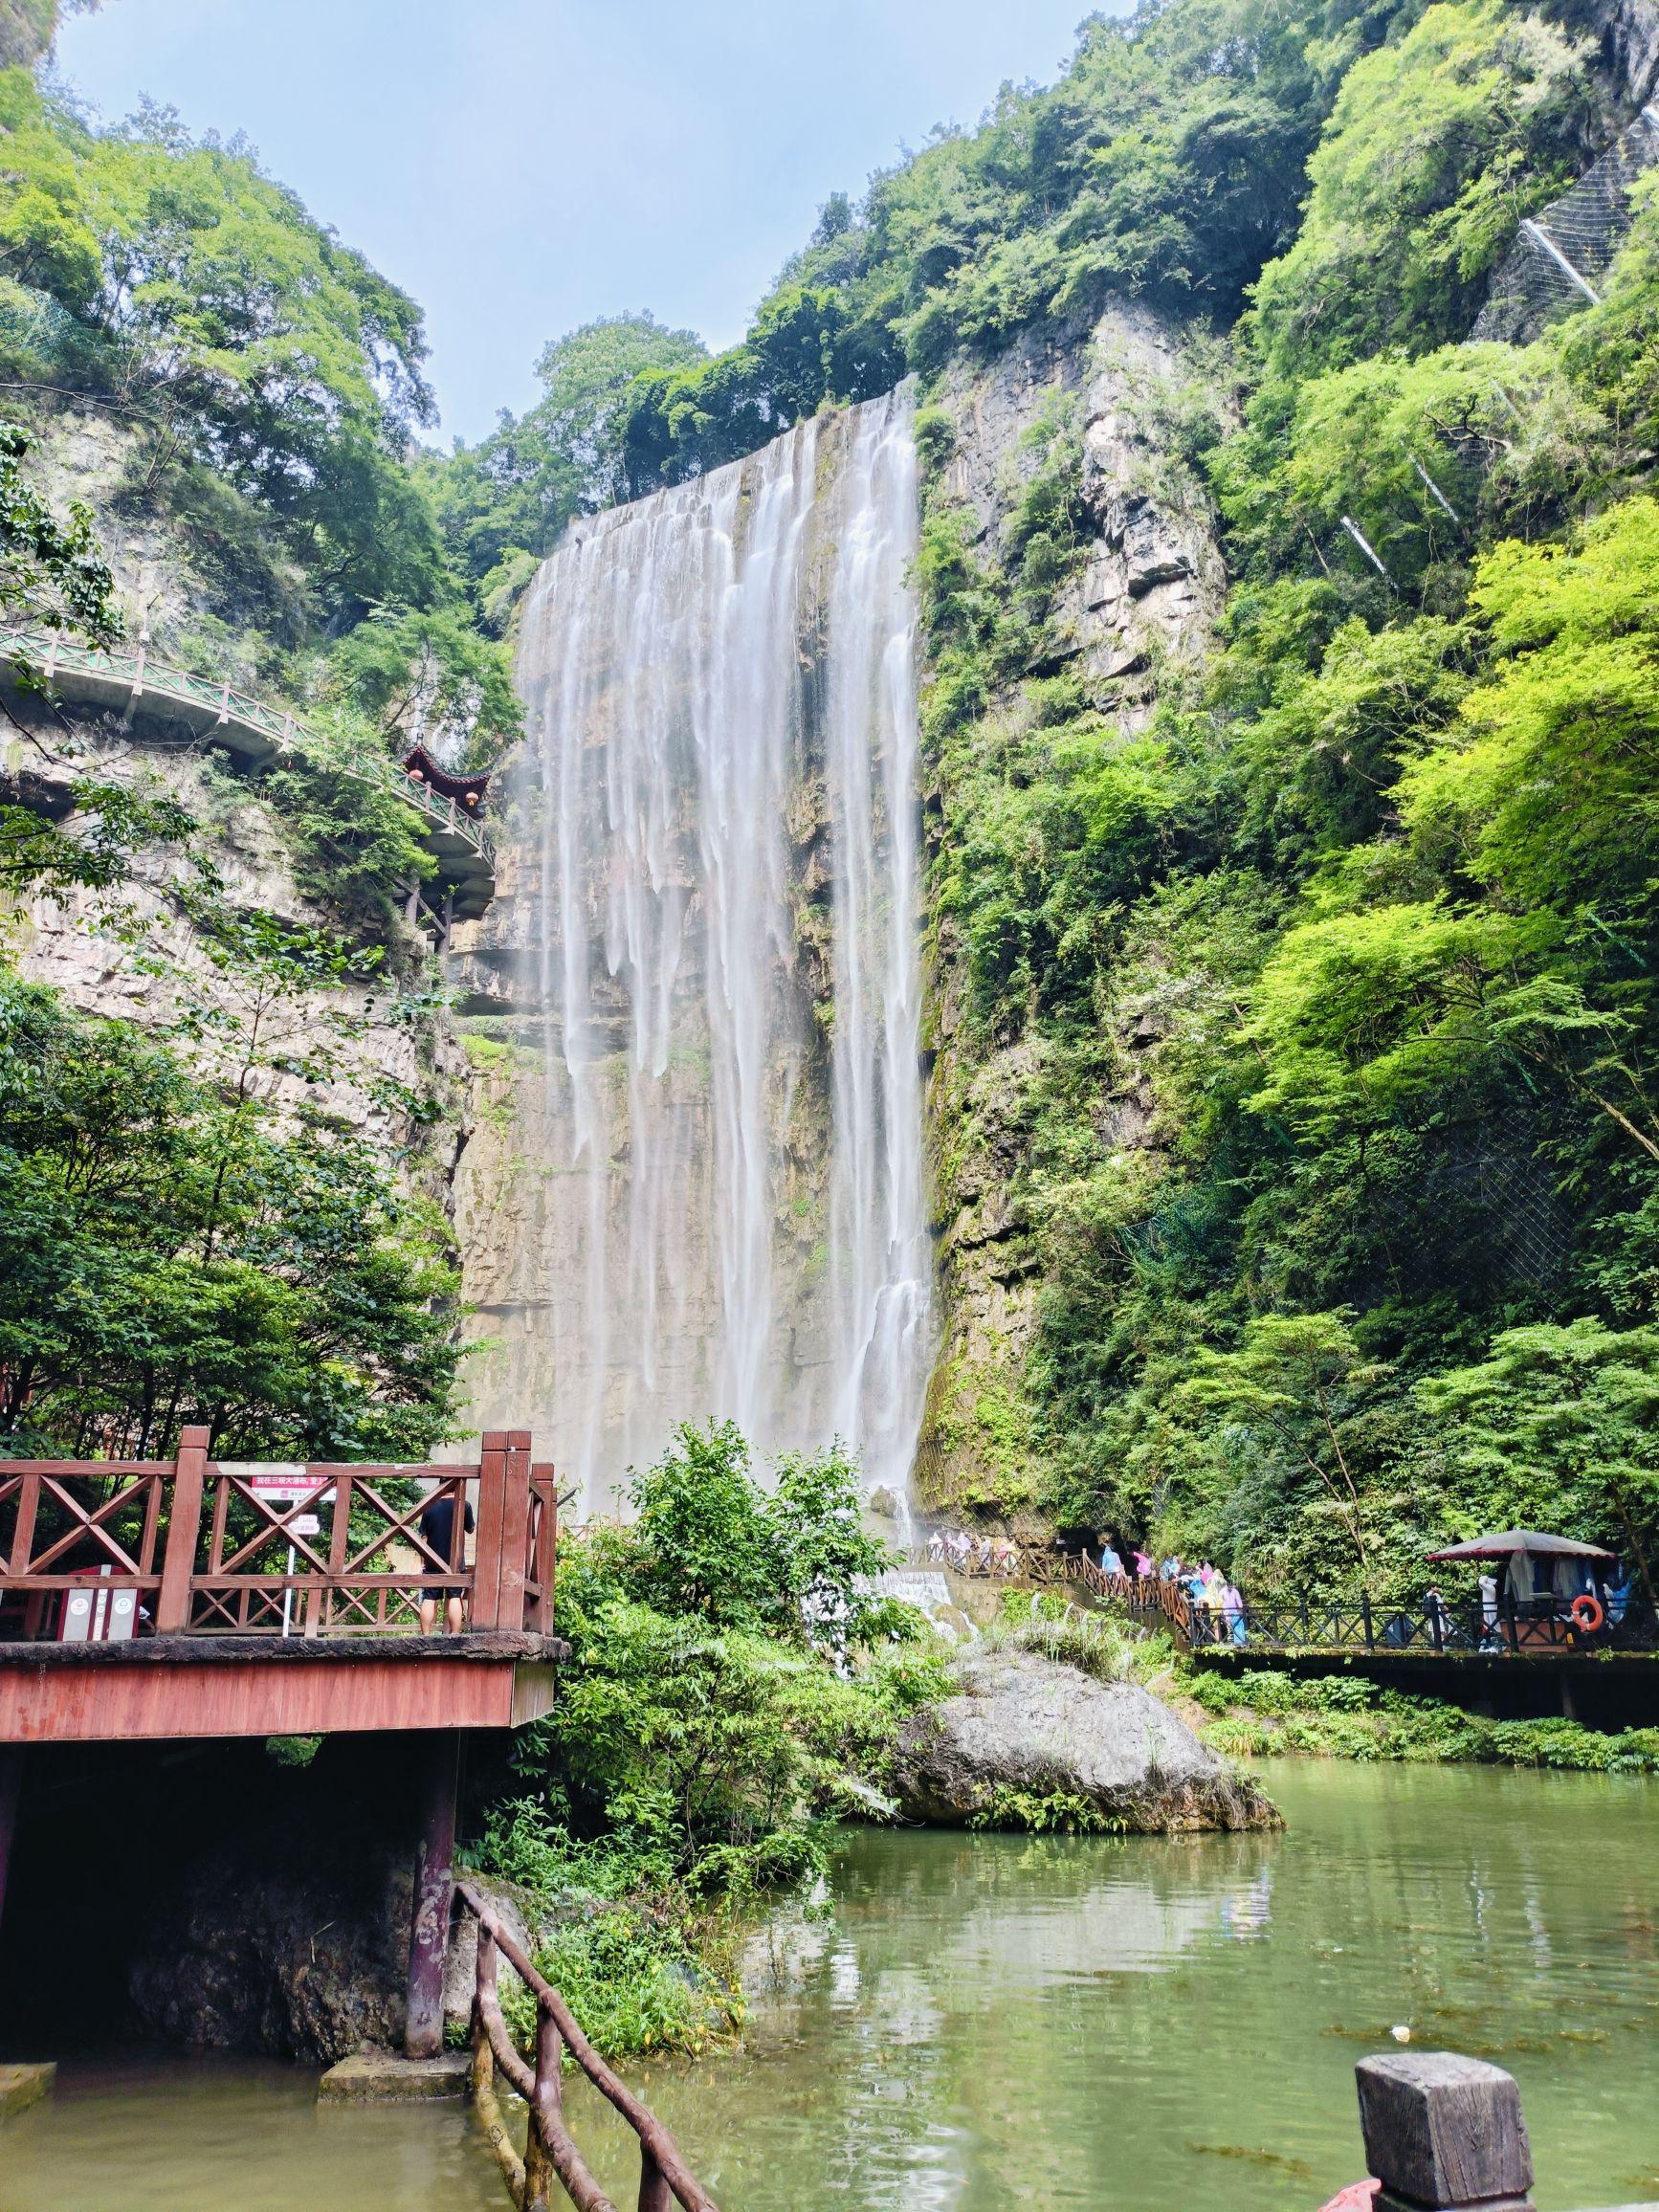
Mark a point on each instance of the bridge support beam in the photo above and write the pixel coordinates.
(429, 1940)
(11, 1793)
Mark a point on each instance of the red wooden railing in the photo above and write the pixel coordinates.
(551, 2152)
(209, 1551)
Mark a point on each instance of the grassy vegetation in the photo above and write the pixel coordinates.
(1262, 1714)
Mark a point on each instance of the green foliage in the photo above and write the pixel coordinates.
(169, 1255)
(95, 844)
(1263, 1714)
(53, 573)
(188, 284)
(709, 1540)
(1094, 1644)
(426, 675)
(355, 840)
(1559, 1427)
(514, 493)
(1437, 145)
(703, 1740)
(1168, 160)
(1044, 1812)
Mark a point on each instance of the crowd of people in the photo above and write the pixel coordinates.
(972, 1555)
(1215, 1606)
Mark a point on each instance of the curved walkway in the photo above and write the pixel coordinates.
(132, 685)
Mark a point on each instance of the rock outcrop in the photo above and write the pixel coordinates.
(1022, 1724)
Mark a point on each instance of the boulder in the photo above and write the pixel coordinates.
(1019, 1722)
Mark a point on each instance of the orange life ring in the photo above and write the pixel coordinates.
(1588, 1613)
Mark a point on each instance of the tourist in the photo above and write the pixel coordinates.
(1110, 1563)
(1142, 1566)
(437, 1528)
(1436, 1612)
(1618, 1595)
(1233, 1608)
(935, 1548)
(1488, 1603)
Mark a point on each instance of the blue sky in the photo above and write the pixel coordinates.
(523, 166)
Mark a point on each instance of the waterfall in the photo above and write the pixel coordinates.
(714, 892)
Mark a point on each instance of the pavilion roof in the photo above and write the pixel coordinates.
(1507, 1541)
(419, 764)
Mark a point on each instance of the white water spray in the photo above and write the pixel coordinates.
(726, 1138)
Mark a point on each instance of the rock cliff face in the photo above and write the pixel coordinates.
(199, 597)
(1133, 617)
(342, 1051)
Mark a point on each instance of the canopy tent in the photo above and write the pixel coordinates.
(1512, 1540)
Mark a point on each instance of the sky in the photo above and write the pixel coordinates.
(523, 166)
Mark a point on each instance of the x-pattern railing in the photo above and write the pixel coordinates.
(326, 1549)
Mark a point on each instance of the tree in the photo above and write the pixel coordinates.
(53, 572)
(169, 1253)
(1295, 1378)
(1559, 1429)
(1435, 148)
(203, 297)
(518, 489)
(426, 676)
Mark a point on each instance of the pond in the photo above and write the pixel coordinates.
(995, 2020)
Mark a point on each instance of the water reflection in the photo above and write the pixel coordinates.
(1140, 2024)
(1128, 2025)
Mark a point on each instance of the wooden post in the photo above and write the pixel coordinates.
(429, 1934)
(184, 1527)
(1443, 2132)
(11, 1793)
(515, 1530)
(544, 1486)
(487, 1553)
(546, 2116)
(654, 2193)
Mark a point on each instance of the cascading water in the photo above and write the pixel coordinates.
(714, 892)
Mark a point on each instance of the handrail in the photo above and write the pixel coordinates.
(1355, 1625)
(549, 2149)
(285, 732)
(224, 1548)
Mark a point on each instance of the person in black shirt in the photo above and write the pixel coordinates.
(437, 1526)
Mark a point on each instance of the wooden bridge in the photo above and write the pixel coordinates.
(136, 687)
(201, 1599)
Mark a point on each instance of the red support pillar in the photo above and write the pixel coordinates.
(429, 1936)
(11, 1793)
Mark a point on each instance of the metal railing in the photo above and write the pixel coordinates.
(1463, 1628)
(551, 2152)
(202, 1547)
(55, 656)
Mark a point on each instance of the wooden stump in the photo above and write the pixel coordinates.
(1442, 2133)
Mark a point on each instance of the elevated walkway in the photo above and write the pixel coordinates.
(177, 705)
(1561, 253)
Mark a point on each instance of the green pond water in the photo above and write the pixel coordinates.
(993, 2020)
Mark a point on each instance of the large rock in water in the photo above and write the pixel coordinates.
(1021, 1722)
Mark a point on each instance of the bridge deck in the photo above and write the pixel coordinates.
(194, 1686)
